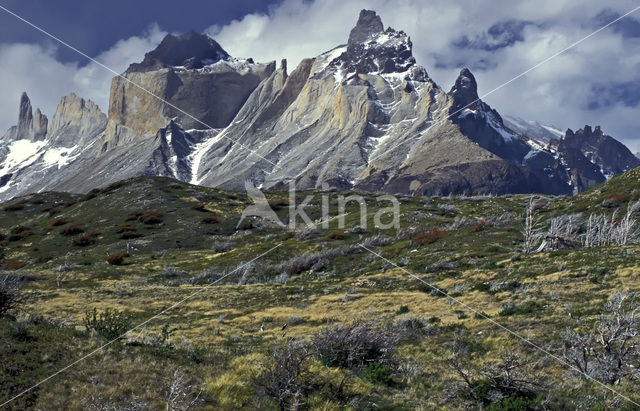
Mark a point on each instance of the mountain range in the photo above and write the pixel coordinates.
(363, 116)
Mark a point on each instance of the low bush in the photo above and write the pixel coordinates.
(3, 236)
(152, 217)
(355, 346)
(133, 216)
(201, 207)
(283, 379)
(127, 232)
(116, 259)
(72, 230)
(129, 235)
(109, 324)
(222, 246)
(479, 227)
(123, 228)
(14, 207)
(10, 295)
(91, 194)
(376, 372)
(338, 235)
(86, 239)
(402, 310)
(210, 220)
(59, 221)
(70, 203)
(528, 307)
(429, 237)
(14, 265)
(307, 234)
(19, 233)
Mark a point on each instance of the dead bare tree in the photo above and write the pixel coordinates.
(10, 293)
(492, 381)
(283, 379)
(562, 233)
(627, 230)
(531, 232)
(180, 393)
(611, 352)
(63, 270)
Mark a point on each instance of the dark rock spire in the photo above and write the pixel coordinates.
(369, 23)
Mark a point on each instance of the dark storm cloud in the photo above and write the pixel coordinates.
(500, 35)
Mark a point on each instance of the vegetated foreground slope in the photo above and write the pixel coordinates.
(262, 334)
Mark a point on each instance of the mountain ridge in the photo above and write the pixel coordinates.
(363, 115)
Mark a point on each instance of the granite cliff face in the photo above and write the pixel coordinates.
(203, 86)
(363, 115)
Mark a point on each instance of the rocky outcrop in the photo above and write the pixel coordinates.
(76, 122)
(31, 126)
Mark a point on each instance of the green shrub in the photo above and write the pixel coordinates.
(109, 324)
(403, 309)
(528, 307)
(376, 372)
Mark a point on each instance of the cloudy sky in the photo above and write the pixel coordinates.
(597, 82)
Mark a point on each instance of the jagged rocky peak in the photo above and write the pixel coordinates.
(190, 50)
(76, 120)
(368, 25)
(373, 50)
(72, 108)
(31, 126)
(465, 91)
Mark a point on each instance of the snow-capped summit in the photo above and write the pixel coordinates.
(190, 50)
(373, 50)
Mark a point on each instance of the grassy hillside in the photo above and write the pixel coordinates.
(136, 248)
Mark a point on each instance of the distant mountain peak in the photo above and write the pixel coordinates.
(369, 23)
(373, 50)
(190, 50)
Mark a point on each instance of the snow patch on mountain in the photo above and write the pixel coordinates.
(21, 153)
